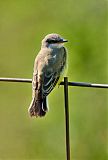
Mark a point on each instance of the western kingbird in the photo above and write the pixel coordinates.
(48, 67)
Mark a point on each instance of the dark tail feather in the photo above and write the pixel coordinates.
(38, 108)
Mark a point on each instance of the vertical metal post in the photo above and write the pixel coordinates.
(67, 118)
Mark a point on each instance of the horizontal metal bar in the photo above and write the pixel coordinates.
(78, 84)
(16, 80)
(84, 84)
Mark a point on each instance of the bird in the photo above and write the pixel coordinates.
(49, 66)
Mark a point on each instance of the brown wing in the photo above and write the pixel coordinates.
(49, 83)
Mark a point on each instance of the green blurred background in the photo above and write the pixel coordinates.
(23, 24)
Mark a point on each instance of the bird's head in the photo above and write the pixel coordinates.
(53, 41)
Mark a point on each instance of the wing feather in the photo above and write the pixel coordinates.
(49, 83)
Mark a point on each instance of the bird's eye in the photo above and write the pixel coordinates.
(52, 41)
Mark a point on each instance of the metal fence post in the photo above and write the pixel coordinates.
(67, 118)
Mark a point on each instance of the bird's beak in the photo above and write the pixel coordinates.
(64, 40)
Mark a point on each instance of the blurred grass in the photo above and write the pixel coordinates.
(23, 24)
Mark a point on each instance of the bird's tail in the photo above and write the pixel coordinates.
(38, 108)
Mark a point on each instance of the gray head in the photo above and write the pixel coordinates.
(53, 41)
